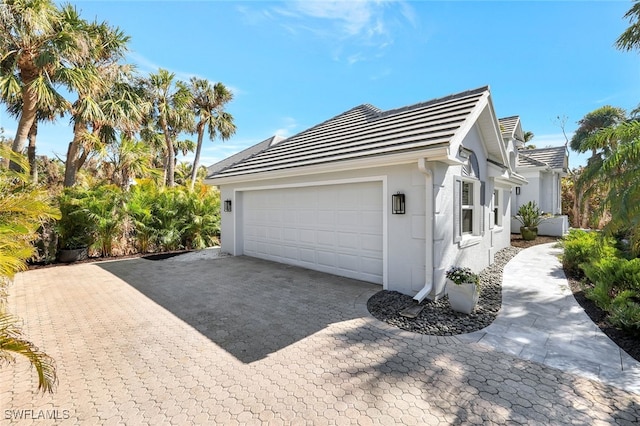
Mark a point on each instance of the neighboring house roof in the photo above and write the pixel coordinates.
(508, 126)
(246, 153)
(553, 157)
(364, 132)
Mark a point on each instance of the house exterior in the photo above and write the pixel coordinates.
(544, 169)
(391, 197)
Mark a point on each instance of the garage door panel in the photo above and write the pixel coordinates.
(326, 238)
(290, 234)
(306, 217)
(326, 258)
(348, 240)
(326, 217)
(371, 242)
(307, 236)
(348, 219)
(307, 255)
(333, 228)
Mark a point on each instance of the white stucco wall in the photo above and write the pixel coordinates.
(405, 251)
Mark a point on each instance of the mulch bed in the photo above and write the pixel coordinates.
(625, 340)
(92, 259)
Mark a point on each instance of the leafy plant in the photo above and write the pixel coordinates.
(529, 215)
(202, 221)
(460, 275)
(75, 228)
(105, 205)
(616, 289)
(23, 209)
(139, 209)
(582, 247)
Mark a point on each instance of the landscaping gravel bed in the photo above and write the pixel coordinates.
(437, 318)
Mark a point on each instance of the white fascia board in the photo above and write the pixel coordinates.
(469, 122)
(436, 153)
(496, 130)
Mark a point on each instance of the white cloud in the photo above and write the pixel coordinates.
(363, 24)
(289, 125)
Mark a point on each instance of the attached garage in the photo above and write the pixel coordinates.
(323, 199)
(336, 228)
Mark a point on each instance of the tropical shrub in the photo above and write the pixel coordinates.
(105, 205)
(23, 209)
(139, 211)
(202, 217)
(582, 247)
(616, 289)
(76, 228)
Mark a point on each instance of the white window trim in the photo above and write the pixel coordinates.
(476, 208)
(498, 218)
(475, 236)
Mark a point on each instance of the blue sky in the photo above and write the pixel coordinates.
(294, 64)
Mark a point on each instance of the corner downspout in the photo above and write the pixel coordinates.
(429, 231)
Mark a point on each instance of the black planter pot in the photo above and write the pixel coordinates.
(72, 255)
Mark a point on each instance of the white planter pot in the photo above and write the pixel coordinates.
(462, 297)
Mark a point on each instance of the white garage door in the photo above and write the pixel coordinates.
(332, 228)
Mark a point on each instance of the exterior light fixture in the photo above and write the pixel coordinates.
(227, 205)
(397, 203)
(517, 190)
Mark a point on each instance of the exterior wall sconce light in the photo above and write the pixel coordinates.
(397, 203)
(227, 205)
(517, 190)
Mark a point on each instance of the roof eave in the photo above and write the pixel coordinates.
(439, 152)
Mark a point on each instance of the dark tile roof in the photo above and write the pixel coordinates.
(508, 126)
(364, 131)
(246, 153)
(554, 157)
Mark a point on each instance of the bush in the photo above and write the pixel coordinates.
(151, 218)
(616, 289)
(582, 247)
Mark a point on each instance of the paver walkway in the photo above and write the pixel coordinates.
(540, 320)
(124, 358)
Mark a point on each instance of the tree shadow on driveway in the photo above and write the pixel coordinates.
(247, 306)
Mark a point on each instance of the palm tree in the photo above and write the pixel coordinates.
(170, 112)
(107, 101)
(620, 169)
(597, 119)
(23, 209)
(630, 38)
(209, 103)
(36, 41)
(527, 137)
(128, 159)
(601, 118)
(45, 112)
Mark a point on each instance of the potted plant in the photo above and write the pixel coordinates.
(464, 293)
(75, 228)
(530, 216)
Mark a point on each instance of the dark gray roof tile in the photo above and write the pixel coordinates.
(364, 131)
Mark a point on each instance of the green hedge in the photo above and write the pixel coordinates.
(614, 281)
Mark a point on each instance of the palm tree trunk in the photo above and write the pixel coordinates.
(196, 160)
(71, 163)
(27, 118)
(170, 166)
(31, 152)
